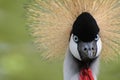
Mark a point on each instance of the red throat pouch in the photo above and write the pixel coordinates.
(86, 74)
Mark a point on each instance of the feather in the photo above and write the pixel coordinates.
(50, 22)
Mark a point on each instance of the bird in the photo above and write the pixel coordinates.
(84, 49)
(82, 32)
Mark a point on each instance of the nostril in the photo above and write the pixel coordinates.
(85, 49)
(92, 48)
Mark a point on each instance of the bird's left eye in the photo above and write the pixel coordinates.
(75, 38)
(97, 37)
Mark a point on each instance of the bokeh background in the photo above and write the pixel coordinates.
(19, 60)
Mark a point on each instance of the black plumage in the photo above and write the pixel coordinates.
(85, 27)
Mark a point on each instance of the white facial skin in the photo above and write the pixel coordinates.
(84, 50)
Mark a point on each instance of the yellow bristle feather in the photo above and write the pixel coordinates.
(51, 21)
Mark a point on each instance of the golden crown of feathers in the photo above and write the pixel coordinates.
(51, 21)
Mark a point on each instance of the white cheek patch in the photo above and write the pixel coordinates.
(73, 48)
(99, 47)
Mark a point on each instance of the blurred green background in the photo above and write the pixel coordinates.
(19, 60)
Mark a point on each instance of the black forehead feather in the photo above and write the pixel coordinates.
(85, 27)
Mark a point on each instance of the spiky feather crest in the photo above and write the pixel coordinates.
(50, 22)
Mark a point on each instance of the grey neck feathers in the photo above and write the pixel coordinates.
(72, 67)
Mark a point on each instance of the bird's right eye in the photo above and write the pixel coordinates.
(97, 37)
(75, 38)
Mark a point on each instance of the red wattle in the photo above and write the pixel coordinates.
(86, 74)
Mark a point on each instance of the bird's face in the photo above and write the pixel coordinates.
(85, 42)
(85, 50)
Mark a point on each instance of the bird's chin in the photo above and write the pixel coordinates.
(88, 58)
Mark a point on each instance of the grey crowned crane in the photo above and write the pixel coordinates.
(82, 57)
(82, 27)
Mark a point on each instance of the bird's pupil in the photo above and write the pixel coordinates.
(75, 38)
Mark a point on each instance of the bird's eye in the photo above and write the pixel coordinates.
(75, 38)
(97, 37)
